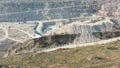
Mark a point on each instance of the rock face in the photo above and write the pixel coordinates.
(32, 10)
(107, 35)
(21, 10)
(42, 43)
(4, 45)
(80, 31)
(110, 9)
(48, 42)
(86, 35)
(52, 23)
(56, 40)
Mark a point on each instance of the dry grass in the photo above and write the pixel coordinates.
(100, 56)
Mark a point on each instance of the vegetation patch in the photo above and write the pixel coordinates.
(98, 56)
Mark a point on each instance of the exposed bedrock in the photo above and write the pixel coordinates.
(48, 42)
(86, 34)
(42, 43)
(5, 45)
(107, 35)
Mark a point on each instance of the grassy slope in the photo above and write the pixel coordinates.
(70, 58)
